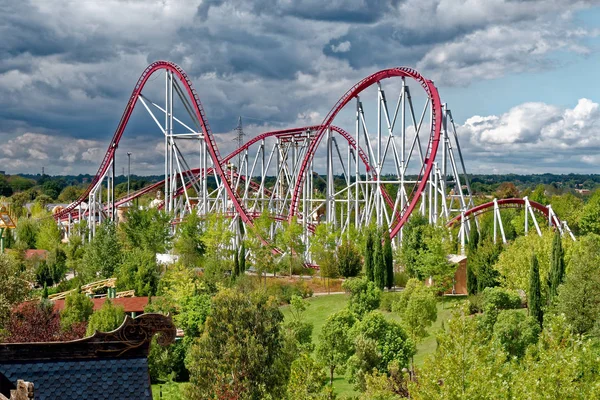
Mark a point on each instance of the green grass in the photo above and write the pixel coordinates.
(170, 391)
(322, 306)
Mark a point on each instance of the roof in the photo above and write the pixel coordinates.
(125, 378)
(456, 258)
(130, 304)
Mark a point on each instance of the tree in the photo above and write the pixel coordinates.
(388, 257)
(70, 194)
(557, 267)
(322, 248)
(579, 297)
(37, 321)
(243, 259)
(307, 380)
(241, 351)
(106, 319)
(382, 341)
(147, 229)
(291, 237)
(507, 190)
(379, 272)
(262, 256)
(236, 264)
(52, 270)
(534, 295)
(589, 221)
(78, 309)
(348, 259)
(335, 344)
(463, 366)
(364, 296)
(514, 332)
(297, 326)
(368, 255)
(27, 231)
(471, 251)
(139, 272)
(14, 286)
(420, 312)
(103, 254)
(482, 262)
(188, 241)
(413, 245)
(48, 235)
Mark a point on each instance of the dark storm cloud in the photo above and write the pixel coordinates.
(68, 68)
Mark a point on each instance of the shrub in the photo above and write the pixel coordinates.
(284, 291)
(500, 299)
(400, 279)
(514, 332)
(364, 296)
(388, 299)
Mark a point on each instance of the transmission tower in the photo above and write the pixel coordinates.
(239, 139)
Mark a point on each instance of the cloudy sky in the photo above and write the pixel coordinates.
(519, 75)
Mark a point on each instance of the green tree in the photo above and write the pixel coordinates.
(48, 235)
(471, 251)
(379, 272)
(241, 351)
(556, 274)
(388, 257)
(534, 295)
(589, 221)
(464, 365)
(482, 264)
(514, 332)
(348, 259)
(420, 312)
(322, 249)
(15, 285)
(262, 256)
(413, 245)
(52, 270)
(579, 297)
(27, 231)
(103, 254)
(243, 259)
(335, 344)
(364, 296)
(106, 319)
(147, 229)
(308, 380)
(368, 255)
(378, 342)
(78, 308)
(291, 237)
(297, 326)
(138, 271)
(188, 243)
(70, 194)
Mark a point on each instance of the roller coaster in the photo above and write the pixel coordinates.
(371, 161)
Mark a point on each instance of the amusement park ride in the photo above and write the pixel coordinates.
(387, 149)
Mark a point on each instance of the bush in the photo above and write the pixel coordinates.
(500, 299)
(387, 299)
(400, 279)
(514, 332)
(475, 303)
(364, 296)
(284, 291)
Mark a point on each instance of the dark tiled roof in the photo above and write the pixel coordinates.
(124, 378)
(130, 304)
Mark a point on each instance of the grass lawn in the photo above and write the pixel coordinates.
(322, 306)
(173, 391)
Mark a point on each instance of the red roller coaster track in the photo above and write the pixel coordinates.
(220, 163)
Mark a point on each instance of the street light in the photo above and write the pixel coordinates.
(128, 171)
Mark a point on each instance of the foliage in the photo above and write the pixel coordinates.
(589, 221)
(471, 250)
(188, 241)
(27, 231)
(139, 272)
(368, 255)
(579, 297)
(52, 270)
(48, 235)
(240, 352)
(146, 229)
(382, 386)
(413, 244)
(514, 332)
(481, 264)
(534, 294)
(106, 319)
(378, 342)
(322, 248)
(38, 322)
(349, 263)
(261, 255)
(379, 271)
(463, 365)
(193, 311)
(498, 298)
(78, 308)
(420, 312)
(556, 274)
(569, 208)
(388, 257)
(507, 190)
(14, 286)
(297, 326)
(103, 254)
(335, 344)
(291, 238)
(364, 296)
(283, 292)
(307, 381)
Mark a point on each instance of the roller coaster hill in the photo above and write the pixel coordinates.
(386, 150)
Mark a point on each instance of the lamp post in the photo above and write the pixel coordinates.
(128, 170)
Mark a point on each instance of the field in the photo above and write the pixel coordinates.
(322, 306)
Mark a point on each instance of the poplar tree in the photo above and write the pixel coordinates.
(236, 264)
(471, 250)
(556, 274)
(379, 264)
(369, 256)
(243, 259)
(389, 260)
(534, 297)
